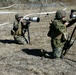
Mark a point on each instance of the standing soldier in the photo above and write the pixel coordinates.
(58, 33)
(19, 28)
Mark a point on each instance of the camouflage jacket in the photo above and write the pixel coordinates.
(19, 28)
(57, 29)
(56, 32)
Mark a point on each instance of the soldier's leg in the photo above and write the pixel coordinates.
(57, 48)
(20, 40)
(57, 52)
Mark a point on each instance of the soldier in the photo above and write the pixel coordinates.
(58, 32)
(19, 28)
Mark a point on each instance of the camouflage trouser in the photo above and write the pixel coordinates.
(57, 47)
(57, 52)
(20, 40)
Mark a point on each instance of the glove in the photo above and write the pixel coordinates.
(64, 37)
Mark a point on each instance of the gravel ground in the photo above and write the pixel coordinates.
(27, 59)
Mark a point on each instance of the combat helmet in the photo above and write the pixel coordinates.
(18, 16)
(60, 14)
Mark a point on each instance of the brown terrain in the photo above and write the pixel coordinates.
(16, 59)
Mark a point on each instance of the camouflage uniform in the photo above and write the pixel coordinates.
(19, 31)
(57, 37)
(58, 34)
(57, 30)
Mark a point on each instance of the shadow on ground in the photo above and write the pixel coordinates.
(38, 52)
(7, 41)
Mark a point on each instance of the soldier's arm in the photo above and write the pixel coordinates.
(15, 26)
(68, 24)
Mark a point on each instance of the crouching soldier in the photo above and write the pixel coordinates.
(58, 32)
(19, 28)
